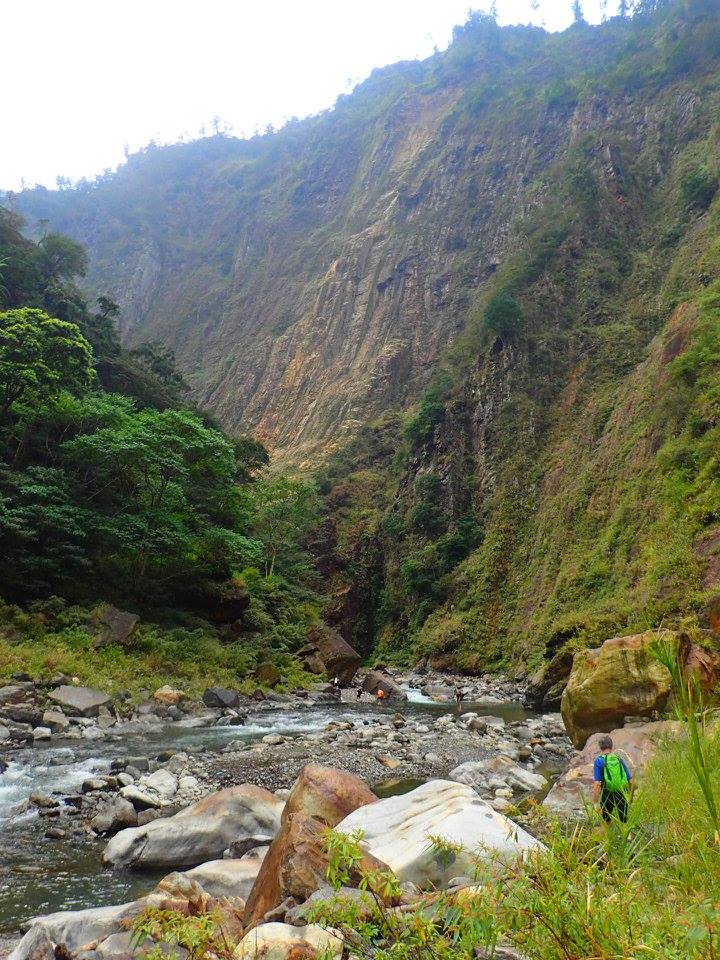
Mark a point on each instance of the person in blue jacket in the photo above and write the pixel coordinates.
(612, 783)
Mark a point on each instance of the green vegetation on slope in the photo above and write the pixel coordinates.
(556, 482)
(131, 496)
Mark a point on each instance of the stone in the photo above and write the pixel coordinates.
(93, 784)
(117, 815)
(397, 831)
(267, 674)
(12, 693)
(35, 945)
(281, 941)
(162, 782)
(294, 866)
(244, 846)
(221, 697)
(168, 695)
(82, 701)
(42, 733)
(375, 680)
(230, 878)
(571, 794)
(55, 720)
(199, 833)
(74, 929)
(477, 773)
(112, 626)
(140, 799)
(43, 801)
(327, 794)
(619, 679)
(335, 656)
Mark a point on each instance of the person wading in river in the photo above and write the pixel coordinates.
(612, 783)
(380, 695)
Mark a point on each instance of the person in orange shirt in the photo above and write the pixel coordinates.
(380, 695)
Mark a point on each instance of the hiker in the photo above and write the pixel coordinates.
(458, 696)
(380, 695)
(612, 783)
(359, 693)
(336, 683)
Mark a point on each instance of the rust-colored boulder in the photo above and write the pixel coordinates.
(336, 655)
(295, 866)
(327, 794)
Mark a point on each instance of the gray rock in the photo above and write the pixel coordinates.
(42, 733)
(73, 929)
(221, 697)
(83, 701)
(35, 945)
(56, 720)
(199, 833)
(118, 815)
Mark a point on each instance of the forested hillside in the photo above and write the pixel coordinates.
(481, 298)
(114, 488)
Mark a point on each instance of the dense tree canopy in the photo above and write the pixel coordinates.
(111, 486)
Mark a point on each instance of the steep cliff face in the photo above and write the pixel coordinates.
(310, 279)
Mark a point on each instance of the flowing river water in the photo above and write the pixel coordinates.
(38, 875)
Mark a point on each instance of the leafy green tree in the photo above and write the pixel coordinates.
(284, 510)
(160, 480)
(39, 356)
(62, 258)
(503, 314)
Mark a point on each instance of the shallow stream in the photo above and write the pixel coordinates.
(38, 875)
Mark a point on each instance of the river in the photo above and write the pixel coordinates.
(38, 875)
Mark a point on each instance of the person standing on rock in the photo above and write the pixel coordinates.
(380, 695)
(612, 783)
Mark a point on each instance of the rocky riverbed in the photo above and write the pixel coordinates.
(65, 794)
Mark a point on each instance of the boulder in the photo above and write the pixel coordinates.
(376, 680)
(199, 833)
(55, 720)
(168, 695)
(73, 929)
(118, 815)
(479, 773)
(635, 743)
(327, 794)
(80, 701)
(398, 830)
(35, 945)
(112, 626)
(619, 679)
(227, 878)
(281, 941)
(221, 697)
(267, 674)
(336, 655)
(295, 866)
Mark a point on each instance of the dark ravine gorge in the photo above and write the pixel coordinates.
(452, 297)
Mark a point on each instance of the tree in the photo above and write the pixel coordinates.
(578, 15)
(61, 258)
(40, 356)
(285, 510)
(160, 360)
(503, 314)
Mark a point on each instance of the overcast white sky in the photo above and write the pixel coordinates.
(91, 76)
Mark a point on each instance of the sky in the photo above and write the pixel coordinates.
(94, 78)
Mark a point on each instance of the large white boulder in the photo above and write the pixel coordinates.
(199, 833)
(280, 941)
(398, 831)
